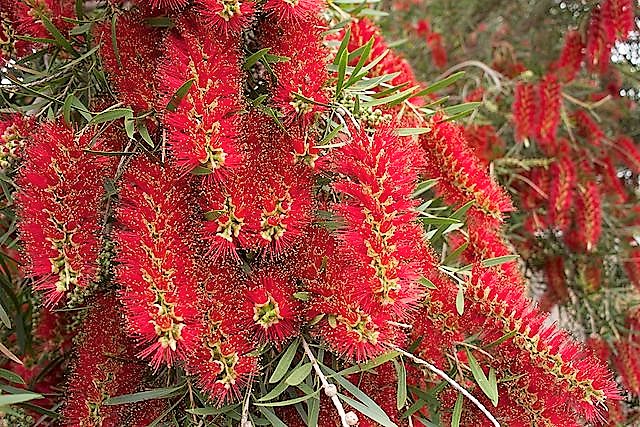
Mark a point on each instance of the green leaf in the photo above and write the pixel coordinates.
(460, 301)
(401, 393)
(179, 94)
(490, 389)
(4, 317)
(211, 410)
(129, 126)
(424, 187)
(493, 386)
(391, 100)
(462, 210)
(411, 131)
(457, 412)
(144, 133)
(313, 411)
(255, 57)
(342, 69)
(377, 361)
(158, 393)
(4, 350)
(60, 40)
(11, 376)
(328, 137)
(277, 391)
(461, 109)
(271, 416)
(12, 399)
(114, 39)
(285, 362)
(364, 57)
(441, 84)
(302, 296)
(455, 254)
(492, 262)
(288, 402)
(299, 374)
(427, 283)
(111, 115)
(343, 46)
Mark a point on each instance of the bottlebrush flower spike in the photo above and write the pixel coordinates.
(202, 128)
(485, 142)
(463, 179)
(222, 358)
(600, 38)
(546, 353)
(629, 152)
(588, 128)
(156, 271)
(273, 310)
(380, 235)
(632, 266)
(299, 92)
(524, 110)
(59, 204)
(226, 16)
(556, 281)
(561, 191)
(589, 216)
(628, 364)
(570, 60)
(139, 49)
(550, 104)
(170, 4)
(103, 367)
(620, 15)
(293, 12)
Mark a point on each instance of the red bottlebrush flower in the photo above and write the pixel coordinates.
(275, 312)
(380, 236)
(303, 77)
(139, 52)
(629, 152)
(546, 353)
(438, 52)
(227, 16)
(628, 364)
(486, 241)
(202, 128)
(632, 267)
(600, 38)
(59, 202)
(550, 104)
(561, 191)
(222, 358)
(588, 128)
(485, 142)
(524, 111)
(293, 12)
(103, 367)
(450, 158)
(588, 216)
(570, 60)
(28, 16)
(620, 16)
(351, 332)
(170, 4)
(555, 279)
(156, 270)
(613, 181)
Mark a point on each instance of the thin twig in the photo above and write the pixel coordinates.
(450, 380)
(325, 384)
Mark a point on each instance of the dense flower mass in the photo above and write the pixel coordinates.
(245, 211)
